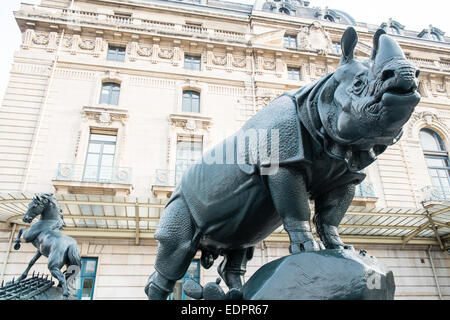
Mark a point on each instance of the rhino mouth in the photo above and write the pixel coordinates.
(393, 97)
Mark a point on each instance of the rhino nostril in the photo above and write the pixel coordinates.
(387, 74)
(417, 73)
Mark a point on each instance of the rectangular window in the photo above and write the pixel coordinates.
(337, 47)
(86, 278)
(193, 273)
(189, 150)
(191, 101)
(192, 62)
(116, 53)
(100, 157)
(290, 41)
(110, 93)
(293, 73)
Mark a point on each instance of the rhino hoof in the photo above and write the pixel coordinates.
(193, 289)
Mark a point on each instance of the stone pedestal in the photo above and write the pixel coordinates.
(322, 275)
(319, 275)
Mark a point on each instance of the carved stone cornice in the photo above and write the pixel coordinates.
(104, 116)
(190, 122)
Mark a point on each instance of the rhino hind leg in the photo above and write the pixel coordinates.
(330, 209)
(177, 245)
(234, 265)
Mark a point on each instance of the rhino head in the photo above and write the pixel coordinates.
(366, 103)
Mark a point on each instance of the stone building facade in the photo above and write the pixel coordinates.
(109, 102)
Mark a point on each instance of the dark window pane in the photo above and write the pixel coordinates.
(431, 141)
(88, 285)
(293, 73)
(191, 101)
(192, 62)
(116, 53)
(290, 41)
(110, 93)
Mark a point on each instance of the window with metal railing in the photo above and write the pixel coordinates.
(189, 150)
(100, 157)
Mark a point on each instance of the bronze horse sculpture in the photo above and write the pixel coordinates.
(327, 132)
(46, 236)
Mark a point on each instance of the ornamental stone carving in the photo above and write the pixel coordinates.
(269, 65)
(144, 51)
(40, 39)
(165, 53)
(239, 62)
(87, 44)
(314, 37)
(426, 118)
(219, 60)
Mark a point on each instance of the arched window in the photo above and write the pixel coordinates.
(191, 101)
(437, 160)
(110, 93)
(285, 11)
(329, 18)
(434, 36)
(394, 30)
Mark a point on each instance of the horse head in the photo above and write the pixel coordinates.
(47, 207)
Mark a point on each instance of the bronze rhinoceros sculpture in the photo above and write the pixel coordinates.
(318, 139)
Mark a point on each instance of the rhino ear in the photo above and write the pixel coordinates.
(348, 43)
(376, 41)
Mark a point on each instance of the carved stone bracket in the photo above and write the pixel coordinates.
(426, 118)
(190, 123)
(104, 116)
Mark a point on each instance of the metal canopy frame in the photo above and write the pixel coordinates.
(137, 218)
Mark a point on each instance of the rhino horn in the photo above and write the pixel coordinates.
(376, 42)
(348, 43)
(388, 49)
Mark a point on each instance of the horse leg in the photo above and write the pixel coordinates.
(32, 262)
(55, 263)
(178, 242)
(233, 266)
(330, 209)
(17, 241)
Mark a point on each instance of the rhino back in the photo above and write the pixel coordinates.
(223, 198)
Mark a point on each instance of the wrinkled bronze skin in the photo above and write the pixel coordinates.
(329, 131)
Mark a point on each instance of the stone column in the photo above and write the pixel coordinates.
(75, 42)
(27, 38)
(98, 46)
(52, 41)
(229, 65)
(209, 56)
(155, 50)
(259, 62)
(176, 53)
(279, 65)
(248, 61)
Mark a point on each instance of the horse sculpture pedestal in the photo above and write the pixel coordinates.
(318, 275)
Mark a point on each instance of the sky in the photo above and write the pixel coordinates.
(413, 14)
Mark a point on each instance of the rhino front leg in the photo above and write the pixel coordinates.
(330, 209)
(290, 198)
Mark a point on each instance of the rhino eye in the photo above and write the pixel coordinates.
(358, 85)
